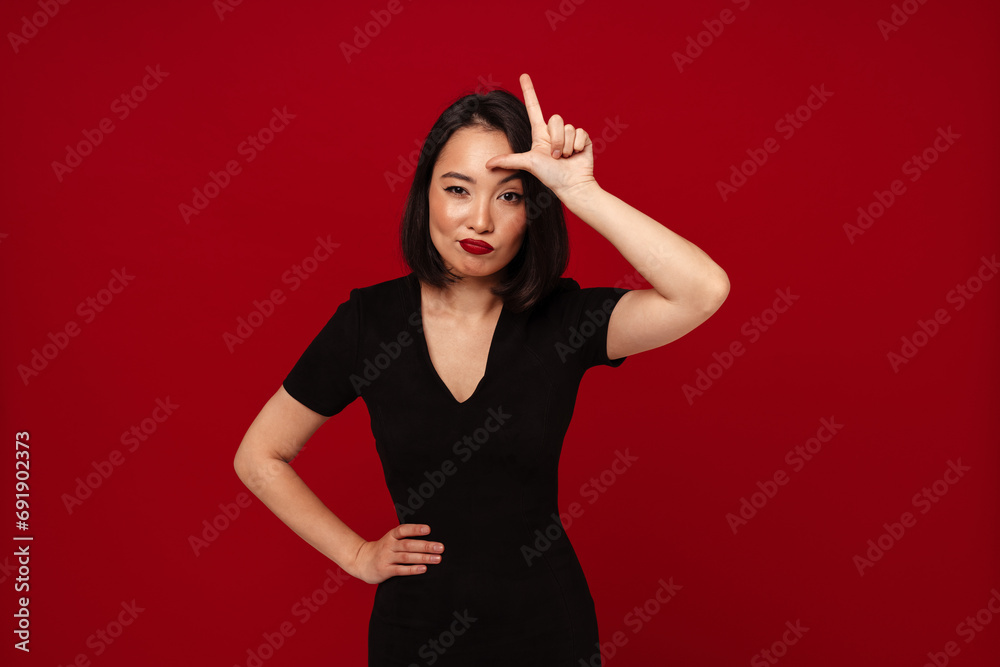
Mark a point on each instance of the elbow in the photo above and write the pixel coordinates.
(721, 290)
(242, 464)
(716, 292)
(248, 470)
(246, 463)
(256, 469)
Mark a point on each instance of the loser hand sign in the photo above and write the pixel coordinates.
(561, 156)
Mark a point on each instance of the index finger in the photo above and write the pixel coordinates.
(405, 530)
(531, 103)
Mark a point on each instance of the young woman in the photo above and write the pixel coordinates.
(469, 366)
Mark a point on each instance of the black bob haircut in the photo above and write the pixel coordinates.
(538, 266)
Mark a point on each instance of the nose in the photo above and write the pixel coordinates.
(481, 218)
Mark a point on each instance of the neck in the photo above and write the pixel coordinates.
(471, 297)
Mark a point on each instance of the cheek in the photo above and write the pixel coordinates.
(518, 224)
(434, 207)
(514, 218)
(517, 235)
(446, 213)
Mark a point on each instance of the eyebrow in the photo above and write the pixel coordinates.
(463, 177)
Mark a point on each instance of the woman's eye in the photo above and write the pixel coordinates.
(517, 197)
(455, 187)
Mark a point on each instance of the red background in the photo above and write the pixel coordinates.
(324, 176)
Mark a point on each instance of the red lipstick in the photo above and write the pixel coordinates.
(476, 247)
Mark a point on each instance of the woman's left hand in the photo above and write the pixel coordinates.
(561, 156)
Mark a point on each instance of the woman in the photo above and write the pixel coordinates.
(469, 367)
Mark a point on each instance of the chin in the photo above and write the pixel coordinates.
(477, 269)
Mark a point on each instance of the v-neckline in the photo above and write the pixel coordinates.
(418, 300)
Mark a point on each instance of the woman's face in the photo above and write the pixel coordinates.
(469, 202)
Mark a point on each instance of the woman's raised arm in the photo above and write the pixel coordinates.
(688, 286)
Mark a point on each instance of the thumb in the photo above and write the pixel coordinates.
(520, 161)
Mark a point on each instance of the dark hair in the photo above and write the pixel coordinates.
(544, 253)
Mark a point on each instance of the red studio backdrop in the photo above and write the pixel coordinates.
(191, 188)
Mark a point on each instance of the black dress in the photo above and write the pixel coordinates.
(483, 473)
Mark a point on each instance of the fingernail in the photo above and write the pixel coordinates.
(435, 559)
(438, 547)
(556, 153)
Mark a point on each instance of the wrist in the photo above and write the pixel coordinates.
(352, 556)
(580, 196)
(345, 552)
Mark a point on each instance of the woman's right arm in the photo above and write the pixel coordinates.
(274, 438)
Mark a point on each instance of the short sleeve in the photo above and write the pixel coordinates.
(322, 378)
(585, 314)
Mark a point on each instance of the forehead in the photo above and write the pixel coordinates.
(471, 147)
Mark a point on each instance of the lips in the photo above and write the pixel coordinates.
(476, 247)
